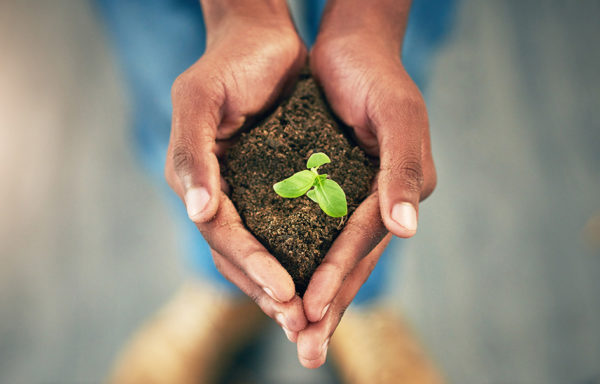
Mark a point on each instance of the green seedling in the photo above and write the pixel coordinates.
(325, 192)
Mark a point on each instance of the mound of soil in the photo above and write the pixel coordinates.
(295, 231)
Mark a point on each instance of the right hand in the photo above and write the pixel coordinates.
(248, 62)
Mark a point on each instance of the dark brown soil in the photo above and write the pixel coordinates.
(296, 231)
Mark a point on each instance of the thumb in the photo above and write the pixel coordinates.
(196, 168)
(399, 126)
(192, 167)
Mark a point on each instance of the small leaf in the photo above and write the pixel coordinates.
(296, 185)
(312, 195)
(331, 198)
(317, 159)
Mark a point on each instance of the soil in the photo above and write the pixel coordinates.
(295, 231)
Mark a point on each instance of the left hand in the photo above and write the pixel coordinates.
(366, 84)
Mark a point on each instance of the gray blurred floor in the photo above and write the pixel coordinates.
(498, 281)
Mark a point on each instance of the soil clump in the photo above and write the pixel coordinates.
(296, 231)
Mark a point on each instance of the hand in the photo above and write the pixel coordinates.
(368, 88)
(252, 54)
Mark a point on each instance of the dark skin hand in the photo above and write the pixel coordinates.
(363, 78)
(252, 55)
(249, 60)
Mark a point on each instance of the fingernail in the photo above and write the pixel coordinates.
(405, 215)
(324, 311)
(196, 200)
(289, 334)
(270, 293)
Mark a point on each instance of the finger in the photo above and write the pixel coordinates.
(192, 168)
(290, 315)
(226, 234)
(361, 234)
(399, 123)
(313, 341)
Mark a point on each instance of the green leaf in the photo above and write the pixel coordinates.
(317, 159)
(331, 198)
(312, 195)
(296, 185)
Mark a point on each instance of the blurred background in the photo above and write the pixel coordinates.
(502, 282)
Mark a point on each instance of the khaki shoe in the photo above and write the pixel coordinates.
(377, 347)
(189, 340)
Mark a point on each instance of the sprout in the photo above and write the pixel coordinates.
(325, 192)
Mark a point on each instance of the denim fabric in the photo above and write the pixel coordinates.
(156, 40)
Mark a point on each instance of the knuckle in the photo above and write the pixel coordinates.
(405, 107)
(180, 85)
(408, 170)
(191, 88)
(433, 182)
(185, 86)
(429, 185)
(182, 155)
(411, 173)
(169, 176)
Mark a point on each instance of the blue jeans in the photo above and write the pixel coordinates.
(156, 40)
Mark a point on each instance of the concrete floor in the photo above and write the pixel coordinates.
(499, 281)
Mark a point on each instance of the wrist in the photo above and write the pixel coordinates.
(381, 22)
(218, 14)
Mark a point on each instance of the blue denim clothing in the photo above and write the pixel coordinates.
(156, 40)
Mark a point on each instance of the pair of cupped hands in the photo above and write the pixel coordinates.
(247, 65)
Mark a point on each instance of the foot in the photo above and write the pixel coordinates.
(189, 340)
(377, 347)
